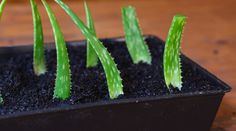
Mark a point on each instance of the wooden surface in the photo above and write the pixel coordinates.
(209, 37)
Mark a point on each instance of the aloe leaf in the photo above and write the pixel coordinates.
(63, 76)
(39, 57)
(92, 59)
(172, 65)
(114, 80)
(1, 99)
(2, 5)
(136, 45)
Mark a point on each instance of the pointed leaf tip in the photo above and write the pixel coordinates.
(137, 47)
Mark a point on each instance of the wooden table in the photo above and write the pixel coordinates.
(209, 37)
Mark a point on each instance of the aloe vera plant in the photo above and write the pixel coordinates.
(92, 59)
(2, 5)
(114, 80)
(136, 45)
(172, 65)
(63, 75)
(39, 57)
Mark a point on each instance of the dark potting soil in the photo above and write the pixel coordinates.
(24, 91)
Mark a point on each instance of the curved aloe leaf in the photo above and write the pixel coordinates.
(63, 76)
(136, 45)
(2, 5)
(39, 58)
(92, 59)
(114, 80)
(172, 65)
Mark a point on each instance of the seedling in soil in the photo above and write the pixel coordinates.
(63, 75)
(114, 80)
(172, 65)
(39, 57)
(136, 45)
(92, 58)
(2, 5)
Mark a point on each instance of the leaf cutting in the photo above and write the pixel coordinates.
(92, 58)
(136, 45)
(172, 65)
(114, 80)
(63, 75)
(38, 57)
(2, 5)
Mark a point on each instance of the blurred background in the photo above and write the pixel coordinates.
(209, 37)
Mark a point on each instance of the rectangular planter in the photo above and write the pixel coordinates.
(174, 112)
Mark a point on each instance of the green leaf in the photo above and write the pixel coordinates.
(39, 57)
(114, 81)
(1, 99)
(92, 59)
(2, 5)
(63, 76)
(136, 45)
(172, 65)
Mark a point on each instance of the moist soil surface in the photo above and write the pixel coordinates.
(23, 91)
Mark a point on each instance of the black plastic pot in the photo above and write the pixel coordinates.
(177, 112)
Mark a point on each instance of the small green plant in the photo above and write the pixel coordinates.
(136, 45)
(39, 58)
(114, 80)
(2, 5)
(92, 58)
(63, 76)
(172, 65)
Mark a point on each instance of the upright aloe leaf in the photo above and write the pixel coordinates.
(39, 58)
(1, 99)
(63, 76)
(2, 5)
(92, 59)
(172, 65)
(114, 80)
(136, 45)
